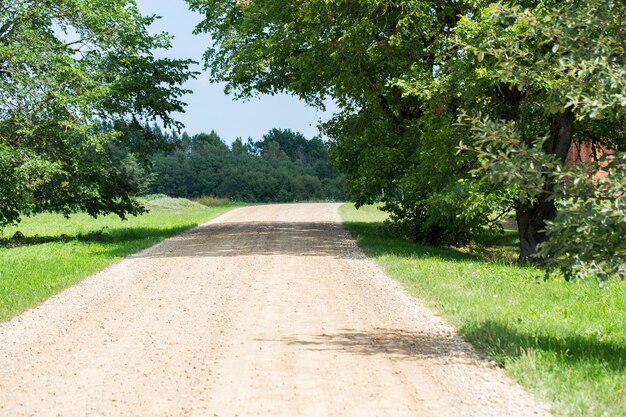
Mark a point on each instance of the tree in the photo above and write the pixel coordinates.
(359, 53)
(526, 80)
(78, 87)
(559, 71)
(207, 160)
(259, 171)
(297, 148)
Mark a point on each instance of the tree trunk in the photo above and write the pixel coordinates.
(531, 224)
(531, 217)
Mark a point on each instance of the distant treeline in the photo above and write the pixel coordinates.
(283, 166)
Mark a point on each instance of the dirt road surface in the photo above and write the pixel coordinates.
(266, 311)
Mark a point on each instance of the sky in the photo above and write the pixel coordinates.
(209, 108)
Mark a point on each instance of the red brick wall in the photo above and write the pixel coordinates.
(584, 153)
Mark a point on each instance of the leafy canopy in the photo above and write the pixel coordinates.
(78, 85)
(517, 83)
(565, 61)
(282, 166)
(381, 62)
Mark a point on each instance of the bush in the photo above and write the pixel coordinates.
(587, 237)
(162, 201)
(452, 217)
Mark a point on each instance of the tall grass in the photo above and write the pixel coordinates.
(564, 341)
(57, 252)
(211, 201)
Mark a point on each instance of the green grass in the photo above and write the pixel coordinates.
(211, 201)
(564, 341)
(57, 252)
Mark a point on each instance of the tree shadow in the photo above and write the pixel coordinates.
(124, 242)
(232, 239)
(376, 240)
(115, 241)
(508, 238)
(222, 239)
(395, 343)
(11, 243)
(503, 342)
(502, 247)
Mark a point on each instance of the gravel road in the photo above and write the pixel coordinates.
(265, 311)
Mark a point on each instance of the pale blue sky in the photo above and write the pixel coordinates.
(208, 107)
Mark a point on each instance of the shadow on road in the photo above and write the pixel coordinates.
(259, 239)
(395, 343)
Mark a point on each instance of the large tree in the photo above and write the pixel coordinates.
(385, 137)
(404, 73)
(558, 69)
(78, 86)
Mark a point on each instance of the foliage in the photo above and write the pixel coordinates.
(78, 83)
(282, 166)
(58, 252)
(564, 341)
(587, 236)
(564, 65)
(568, 54)
(527, 79)
(380, 61)
(451, 217)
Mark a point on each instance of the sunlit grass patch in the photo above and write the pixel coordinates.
(56, 253)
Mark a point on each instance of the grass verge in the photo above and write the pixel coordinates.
(57, 252)
(564, 341)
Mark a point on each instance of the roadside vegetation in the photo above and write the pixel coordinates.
(283, 166)
(565, 341)
(56, 253)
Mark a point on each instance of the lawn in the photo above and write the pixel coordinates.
(566, 342)
(57, 252)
